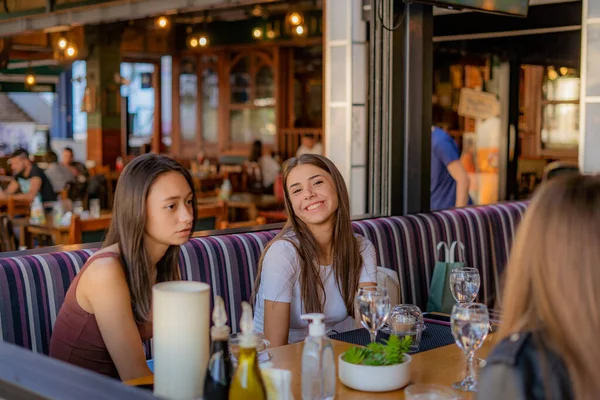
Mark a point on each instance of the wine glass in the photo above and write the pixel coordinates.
(373, 304)
(470, 326)
(464, 284)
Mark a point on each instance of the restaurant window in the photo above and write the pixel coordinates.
(210, 99)
(560, 109)
(252, 100)
(79, 84)
(140, 92)
(188, 99)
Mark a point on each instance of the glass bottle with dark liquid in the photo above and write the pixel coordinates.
(220, 370)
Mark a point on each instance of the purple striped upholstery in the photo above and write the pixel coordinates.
(32, 288)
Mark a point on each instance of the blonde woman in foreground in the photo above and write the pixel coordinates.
(549, 345)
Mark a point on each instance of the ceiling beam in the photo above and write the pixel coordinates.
(103, 13)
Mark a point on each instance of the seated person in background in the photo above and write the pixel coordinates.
(309, 145)
(269, 167)
(549, 347)
(316, 263)
(58, 174)
(108, 310)
(29, 178)
(78, 169)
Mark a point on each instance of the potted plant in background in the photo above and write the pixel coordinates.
(377, 367)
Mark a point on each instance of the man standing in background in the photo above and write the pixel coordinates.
(449, 179)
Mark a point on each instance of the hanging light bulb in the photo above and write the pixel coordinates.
(71, 50)
(62, 43)
(295, 18)
(257, 33)
(300, 30)
(271, 34)
(193, 42)
(30, 80)
(162, 22)
(203, 40)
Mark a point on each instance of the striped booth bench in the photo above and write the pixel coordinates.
(33, 287)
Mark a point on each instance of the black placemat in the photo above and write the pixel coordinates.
(434, 336)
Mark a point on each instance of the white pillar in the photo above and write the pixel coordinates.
(589, 125)
(346, 76)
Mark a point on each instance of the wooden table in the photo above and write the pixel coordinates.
(443, 366)
(58, 233)
(248, 201)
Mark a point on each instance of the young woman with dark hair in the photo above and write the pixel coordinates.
(107, 310)
(316, 263)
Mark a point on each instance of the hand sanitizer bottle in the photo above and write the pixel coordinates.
(318, 362)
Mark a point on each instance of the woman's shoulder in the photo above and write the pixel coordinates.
(516, 362)
(105, 264)
(364, 244)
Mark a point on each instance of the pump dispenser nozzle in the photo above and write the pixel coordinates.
(220, 330)
(316, 327)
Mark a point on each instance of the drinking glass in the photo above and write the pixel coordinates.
(464, 284)
(470, 326)
(373, 304)
(95, 208)
(429, 391)
(407, 320)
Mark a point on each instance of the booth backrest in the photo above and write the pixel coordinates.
(33, 287)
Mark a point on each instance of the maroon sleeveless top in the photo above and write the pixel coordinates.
(76, 338)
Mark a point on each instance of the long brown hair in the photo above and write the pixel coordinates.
(553, 277)
(129, 224)
(347, 258)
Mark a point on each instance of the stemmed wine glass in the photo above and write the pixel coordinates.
(464, 284)
(470, 326)
(373, 304)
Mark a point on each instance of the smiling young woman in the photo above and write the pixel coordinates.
(316, 263)
(107, 309)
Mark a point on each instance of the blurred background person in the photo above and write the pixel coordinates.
(58, 174)
(28, 178)
(309, 145)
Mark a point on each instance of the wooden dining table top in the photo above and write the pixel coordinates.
(443, 366)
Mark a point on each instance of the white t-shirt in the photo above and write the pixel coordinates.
(269, 168)
(316, 149)
(280, 281)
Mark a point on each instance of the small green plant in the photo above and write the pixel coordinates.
(377, 354)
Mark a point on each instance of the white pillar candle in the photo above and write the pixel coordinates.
(180, 315)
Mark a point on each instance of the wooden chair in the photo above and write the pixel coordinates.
(210, 216)
(88, 230)
(16, 208)
(273, 216)
(8, 241)
(560, 168)
(243, 224)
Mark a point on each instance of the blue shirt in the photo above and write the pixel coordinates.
(443, 187)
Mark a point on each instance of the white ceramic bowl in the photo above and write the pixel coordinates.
(367, 378)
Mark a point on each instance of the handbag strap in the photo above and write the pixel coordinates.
(453, 251)
(443, 245)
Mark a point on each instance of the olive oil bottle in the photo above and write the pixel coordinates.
(247, 381)
(220, 370)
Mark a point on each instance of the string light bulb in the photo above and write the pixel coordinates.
(257, 33)
(193, 42)
(295, 18)
(300, 30)
(62, 43)
(203, 41)
(162, 22)
(71, 50)
(30, 80)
